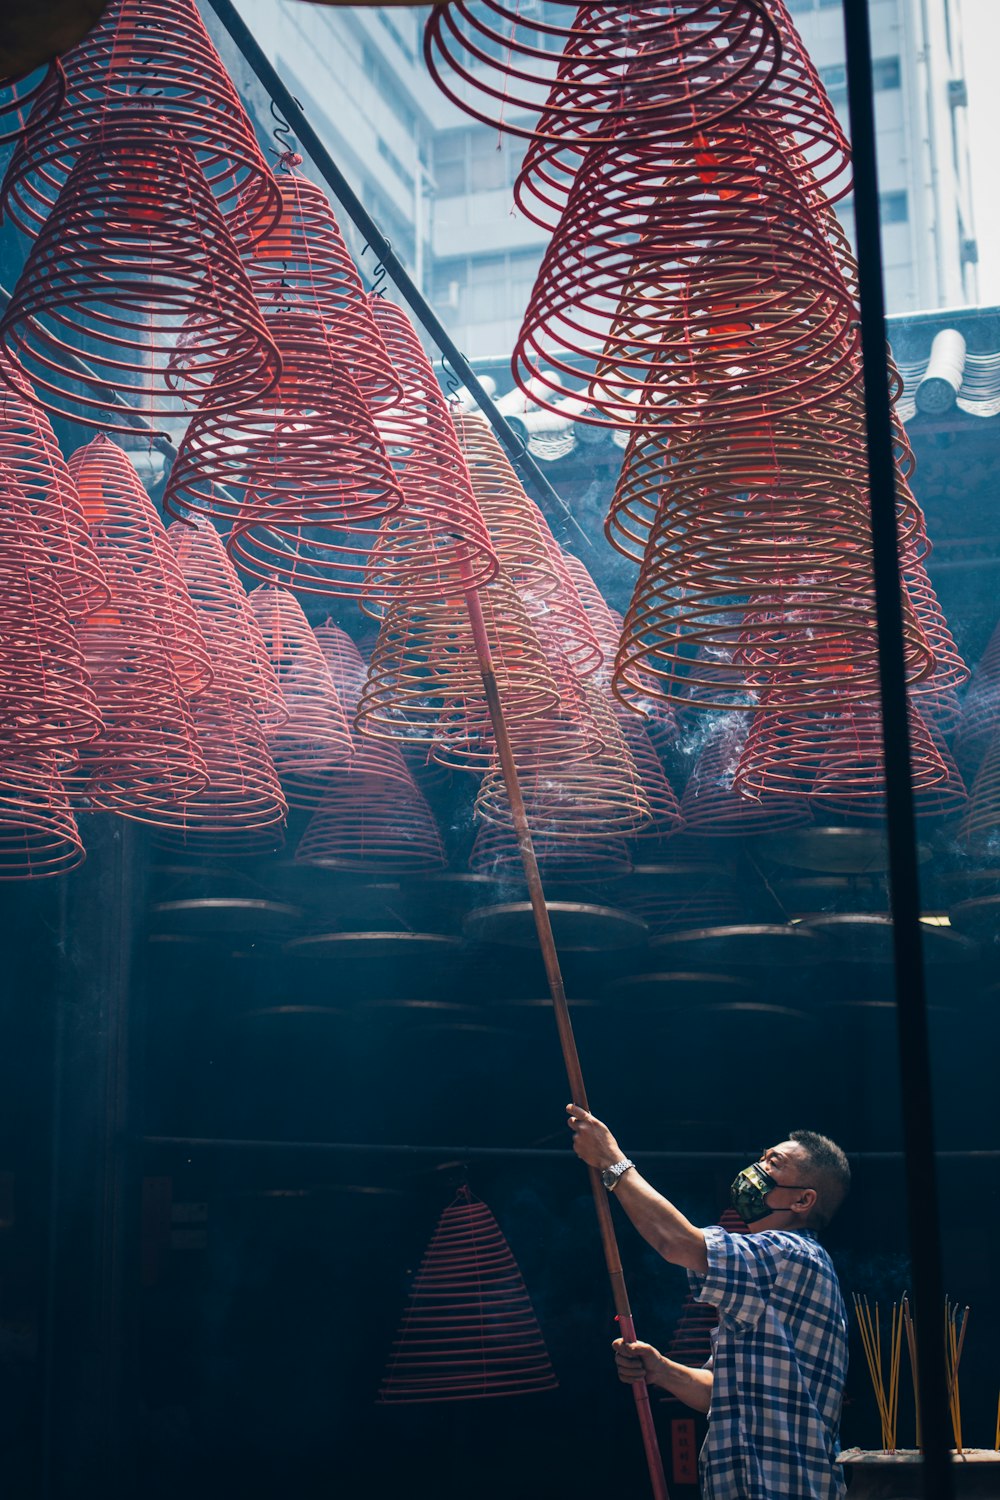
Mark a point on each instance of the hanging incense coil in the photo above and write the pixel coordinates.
(437, 542)
(469, 1330)
(981, 711)
(48, 706)
(346, 665)
(665, 818)
(936, 694)
(686, 270)
(672, 67)
(425, 682)
(39, 836)
(373, 819)
(517, 529)
(315, 741)
(123, 520)
(144, 53)
(136, 195)
(30, 453)
(215, 589)
(18, 95)
(713, 806)
(303, 261)
(836, 759)
(146, 758)
(560, 856)
(980, 825)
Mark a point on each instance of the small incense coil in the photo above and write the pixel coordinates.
(735, 316)
(560, 856)
(215, 589)
(136, 195)
(666, 818)
(562, 621)
(425, 681)
(124, 522)
(981, 822)
(304, 262)
(373, 819)
(981, 711)
(47, 705)
(836, 759)
(316, 740)
(628, 70)
(706, 900)
(600, 796)
(30, 453)
(39, 836)
(519, 533)
(437, 542)
(144, 53)
(937, 695)
(19, 95)
(348, 667)
(713, 806)
(146, 759)
(302, 473)
(469, 1330)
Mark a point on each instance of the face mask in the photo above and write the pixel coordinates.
(749, 1191)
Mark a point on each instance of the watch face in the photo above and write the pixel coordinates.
(609, 1176)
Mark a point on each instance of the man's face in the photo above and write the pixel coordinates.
(787, 1165)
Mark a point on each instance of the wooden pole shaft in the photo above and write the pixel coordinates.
(567, 1041)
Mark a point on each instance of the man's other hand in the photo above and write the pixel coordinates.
(637, 1362)
(592, 1140)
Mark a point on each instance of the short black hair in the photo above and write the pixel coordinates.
(829, 1167)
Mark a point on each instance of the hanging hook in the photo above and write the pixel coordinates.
(452, 384)
(380, 274)
(287, 155)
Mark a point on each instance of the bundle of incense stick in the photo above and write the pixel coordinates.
(911, 1344)
(956, 1320)
(887, 1399)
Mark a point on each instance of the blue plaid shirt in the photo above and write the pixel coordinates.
(779, 1367)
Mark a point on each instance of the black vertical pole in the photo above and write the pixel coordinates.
(911, 995)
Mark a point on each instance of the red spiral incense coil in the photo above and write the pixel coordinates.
(215, 589)
(18, 95)
(670, 66)
(560, 856)
(346, 664)
(47, 704)
(301, 472)
(304, 262)
(146, 759)
(124, 522)
(836, 759)
(518, 531)
(719, 278)
(39, 836)
(713, 806)
(981, 822)
(137, 263)
(142, 52)
(30, 453)
(469, 1330)
(666, 817)
(315, 741)
(425, 682)
(437, 542)
(373, 819)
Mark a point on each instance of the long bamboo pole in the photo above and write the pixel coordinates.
(567, 1041)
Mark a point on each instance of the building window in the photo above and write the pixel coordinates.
(388, 87)
(473, 161)
(485, 288)
(794, 5)
(894, 208)
(886, 73)
(834, 80)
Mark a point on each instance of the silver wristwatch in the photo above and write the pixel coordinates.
(610, 1175)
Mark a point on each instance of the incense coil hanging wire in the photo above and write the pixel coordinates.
(47, 705)
(146, 759)
(373, 819)
(304, 262)
(469, 1330)
(123, 522)
(215, 589)
(519, 533)
(39, 836)
(19, 95)
(437, 542)
(713, 806)
(134, 257)
(668, 67)
(316, 740)
(425, 682)
(29, 451)
(836, 759)
(305, 453)
(144, 51)
(719, 277)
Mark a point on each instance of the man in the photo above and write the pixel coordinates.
(774, 1385)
